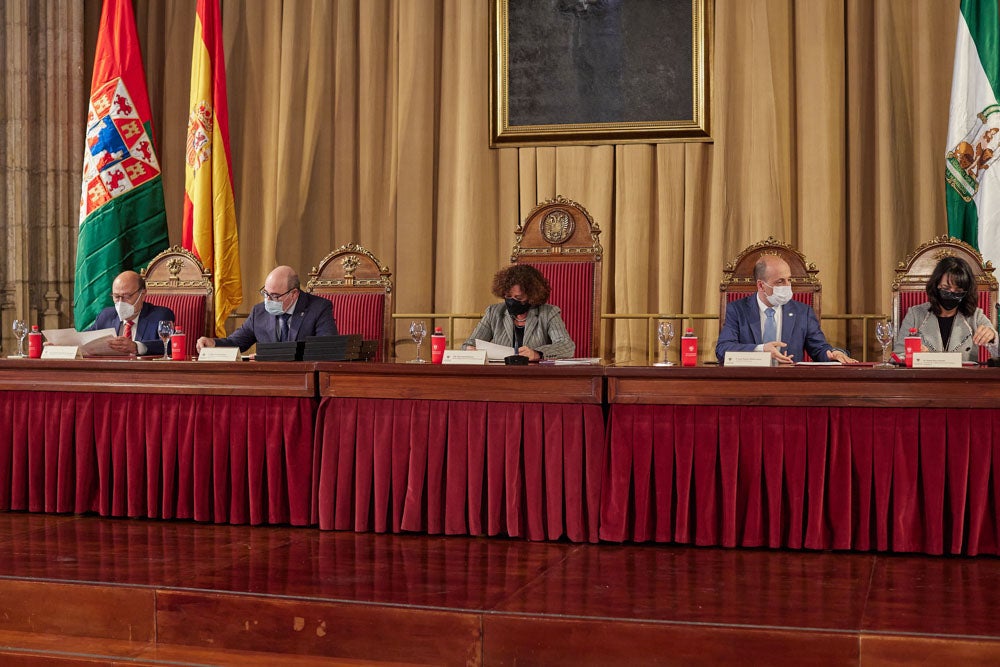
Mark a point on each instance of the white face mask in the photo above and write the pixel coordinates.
(781, 295)
(273, 307)
(126, 310)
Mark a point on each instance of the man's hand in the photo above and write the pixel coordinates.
(837, 355)
(984, 335)
(775, 348)
(123, 345)
(203, 342)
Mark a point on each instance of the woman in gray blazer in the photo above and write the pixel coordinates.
(951, 319)
(524, 321)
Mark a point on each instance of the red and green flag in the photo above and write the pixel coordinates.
(123, 222)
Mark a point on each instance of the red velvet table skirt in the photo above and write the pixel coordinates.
(886, 479)
(459, 467)
(227, 459)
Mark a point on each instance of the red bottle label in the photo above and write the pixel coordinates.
(438, 344)
(911, 344)
(178, 347)
(689, 350)
(34, 345)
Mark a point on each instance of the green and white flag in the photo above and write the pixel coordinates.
(123, 222)
(972, 189)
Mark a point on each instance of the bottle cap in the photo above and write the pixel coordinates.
(34, 327)
(689, 331)
(438, 330)
(913, 330)
(178, 330)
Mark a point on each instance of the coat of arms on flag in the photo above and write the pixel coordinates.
(119, 155)
(974, 153)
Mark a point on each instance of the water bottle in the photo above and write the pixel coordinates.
(34, 343)
(689, 348)
(178, 345)
(437, 345)
(912, 343)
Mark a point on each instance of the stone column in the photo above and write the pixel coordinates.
(41, 149)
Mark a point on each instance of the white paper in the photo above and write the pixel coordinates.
(219, 354)
(937, 359)
(734, 358)
(464, 357)
(91, 343)
(494, 352)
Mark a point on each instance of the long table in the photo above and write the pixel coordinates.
(226, 442)
(814, 457)
(806, 457)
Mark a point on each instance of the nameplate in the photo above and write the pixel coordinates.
(61, 352)
(464, 357)
(937, 359)
(219, 354)
(735, 358)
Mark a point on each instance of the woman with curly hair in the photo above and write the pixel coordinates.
(951, 319)
(524, 321)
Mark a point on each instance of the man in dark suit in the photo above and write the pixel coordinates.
(134, 320)
(286, 314)
(769, 321)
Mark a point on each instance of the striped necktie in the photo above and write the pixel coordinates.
(127, 333)
(770, 326)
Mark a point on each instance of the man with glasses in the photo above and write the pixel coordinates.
(286, 314)
(134, 320)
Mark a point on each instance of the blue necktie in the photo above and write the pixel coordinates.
(770, 326)
(283, 327)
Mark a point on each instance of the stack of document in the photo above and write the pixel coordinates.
(91, 343)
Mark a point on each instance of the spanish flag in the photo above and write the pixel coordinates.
(209, 203)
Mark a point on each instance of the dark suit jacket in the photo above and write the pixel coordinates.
(313, 316)
(149, 320)
(799, 329)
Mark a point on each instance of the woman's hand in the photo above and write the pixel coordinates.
(984, 335)
(526, 351)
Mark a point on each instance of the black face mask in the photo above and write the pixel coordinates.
(515, 307)
(950, 300)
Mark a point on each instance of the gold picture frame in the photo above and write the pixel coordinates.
(600, 71)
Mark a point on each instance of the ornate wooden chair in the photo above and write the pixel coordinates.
(176, 279)
(560, 239)
(360, 287)
(738, 280)
(909, 287)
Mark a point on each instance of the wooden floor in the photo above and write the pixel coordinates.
(89, 591)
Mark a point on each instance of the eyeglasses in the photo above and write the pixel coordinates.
(123, 297)
(273, 297)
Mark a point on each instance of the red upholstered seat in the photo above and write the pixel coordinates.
(189, 313)
(360, 288)
(560, 239)
(176, 279)
(909, 287)
(571, 284)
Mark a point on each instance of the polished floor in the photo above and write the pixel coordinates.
(88, 591)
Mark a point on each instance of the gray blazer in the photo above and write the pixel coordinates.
(921, 317)
(544, 330)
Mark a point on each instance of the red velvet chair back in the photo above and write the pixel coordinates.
(909, 287)
(560, 239)
(360, 288)
(177, 280)
(738, 280)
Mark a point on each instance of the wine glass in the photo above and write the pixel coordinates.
(417, 332)
(665, 332)
(885, 333)
(20, 331)
(165, 329)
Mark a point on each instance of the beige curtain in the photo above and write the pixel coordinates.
(367, 121)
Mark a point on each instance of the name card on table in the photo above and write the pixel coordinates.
(61, 352)
(937, 359)
(464, 357)
(219, 354)
(735, 358)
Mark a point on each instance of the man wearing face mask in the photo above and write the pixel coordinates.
(951, 319)
(286, 314)
(769, 321)
(132, 318)
(524, 320)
